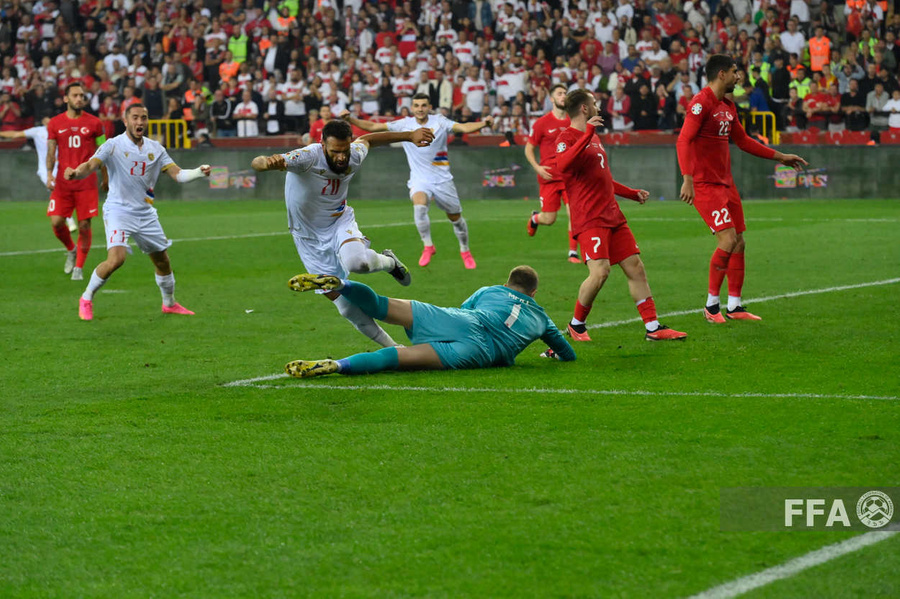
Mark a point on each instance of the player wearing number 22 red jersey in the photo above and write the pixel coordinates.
(597, 221)
(705, 161)
(75, 135)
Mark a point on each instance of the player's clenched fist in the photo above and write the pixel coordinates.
(205, 169)
(268, 163)
(422, 137)
(69, 174)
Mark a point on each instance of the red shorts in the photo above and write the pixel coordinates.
(64, 202)
(553, 195)
(604, 243)
(719, 206)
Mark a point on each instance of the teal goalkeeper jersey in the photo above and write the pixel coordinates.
(513, 321)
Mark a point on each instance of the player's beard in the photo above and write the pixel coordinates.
(730, 89)
(334, 166)
(558, 107)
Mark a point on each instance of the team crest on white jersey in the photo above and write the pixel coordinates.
(560, 147)
(696, 108)
(150, 156)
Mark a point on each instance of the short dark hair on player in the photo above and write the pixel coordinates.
(338, 129)
(558, 85)
(132, 106)
(523, 278)
(71, 85)
(421, 96)
(577, 98)
(716, 64)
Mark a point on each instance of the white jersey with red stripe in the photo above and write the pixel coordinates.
(431, 163)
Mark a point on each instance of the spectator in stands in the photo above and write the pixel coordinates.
(220, 114)
(564, 44)
(893, 109)
(10, 112)
(887, 80)
(644, 109)
(853, 105)
(875, 101)
(174, 111)
(619, 109)
(315, 129)
(867, 83)
(793, 115)
(801, 82)
(246, 115)
(666, 108)
(153, 97)
(273, 113)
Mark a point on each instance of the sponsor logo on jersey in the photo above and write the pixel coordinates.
(697, 108)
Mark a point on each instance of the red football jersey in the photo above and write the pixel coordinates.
(76, 141)
(543, 135)
(584, 167)
(703, 149)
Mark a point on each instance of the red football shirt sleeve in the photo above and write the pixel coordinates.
(625, 192)
(566, 158)
(693, 121)
(51, 130)
(748, 144)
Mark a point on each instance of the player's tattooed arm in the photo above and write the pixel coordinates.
(275, 162)
(82, 170)
(420, 137)
(51, 163)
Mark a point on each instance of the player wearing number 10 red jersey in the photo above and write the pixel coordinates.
(76, 136)
(705, 161)
(597, 221)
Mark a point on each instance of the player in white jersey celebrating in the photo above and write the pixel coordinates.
(134, 163)
(323, 225)
(38, 136)
(429, 168)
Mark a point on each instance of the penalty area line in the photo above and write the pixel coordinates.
(790, 568)
(256, 384)
(770, 298)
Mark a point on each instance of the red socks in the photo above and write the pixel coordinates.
(573, 245)
(718, 266)
(84, 246)
(62, 233)
(581, 312)
(647, 310)
(735, 274)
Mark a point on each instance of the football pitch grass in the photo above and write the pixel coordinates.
(129, 467)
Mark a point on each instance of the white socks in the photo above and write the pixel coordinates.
(462, 233)
(93, 286)
(423, 224)
(712, 300)
(363, 323)
(357, 258)
(166, 285)
(734, 303)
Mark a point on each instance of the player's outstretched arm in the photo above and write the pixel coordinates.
(791, 160)
(473, 127)
(566, 158)
(420, 137)
(82, 170)
(560, 348)
(532, 160)
(12, 134)
(638, 195)
(274, 162)
(187, 175)
(369, 126)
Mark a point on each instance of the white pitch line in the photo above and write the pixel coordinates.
(545, 391)
(769, 298)
(633, 218)
(794, 566)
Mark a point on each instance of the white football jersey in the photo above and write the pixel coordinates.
(315, 196)
(39, 136)
(133, 171)
(431, 163)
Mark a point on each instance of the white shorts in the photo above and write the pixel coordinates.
(444, 194)
(143, 228)
(320, 252)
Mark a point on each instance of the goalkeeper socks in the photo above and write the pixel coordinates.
(718, 266)
(647, 309)
(84, 246)
(93, 286)
(423, 224)
(735, 275)
(363, 297)
(166, 284)
(377, 361)
(62, 233)
(462, 233)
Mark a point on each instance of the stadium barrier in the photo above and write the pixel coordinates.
(766, 123)
(172, 133)
(865, 172)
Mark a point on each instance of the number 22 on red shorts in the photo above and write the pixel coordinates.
(719, 207)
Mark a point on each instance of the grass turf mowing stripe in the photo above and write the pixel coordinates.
(794, 566)
(417, 388)
(769, 298)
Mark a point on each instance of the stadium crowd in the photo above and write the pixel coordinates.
(247, 68)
